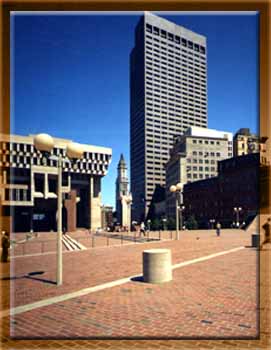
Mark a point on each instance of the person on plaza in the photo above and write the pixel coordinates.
(218, 228)
(142, 229)
(266, 228)
(5, 246)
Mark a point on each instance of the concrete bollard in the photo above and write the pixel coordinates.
(157, 265)
(255, 240)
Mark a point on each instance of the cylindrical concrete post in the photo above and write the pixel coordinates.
(157, 265)
(255, 240)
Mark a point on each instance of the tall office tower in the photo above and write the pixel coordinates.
(168, 93)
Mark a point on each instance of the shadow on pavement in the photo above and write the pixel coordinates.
(137, 279)
(30, 275)
(11, 278)
(40, 279)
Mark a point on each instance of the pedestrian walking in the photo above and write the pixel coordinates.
(5, 246)
(142, 229)
(218, 228)
(266, 228)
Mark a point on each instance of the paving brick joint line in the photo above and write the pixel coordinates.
(28, 307)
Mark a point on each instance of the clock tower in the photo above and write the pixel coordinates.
(123, 197)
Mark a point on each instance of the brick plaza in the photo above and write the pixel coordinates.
(216, 298)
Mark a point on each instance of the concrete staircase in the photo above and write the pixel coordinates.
(71, 243)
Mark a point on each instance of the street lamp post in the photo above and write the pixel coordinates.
(45, 143)
(212, 221)
(182, 207)
(59, 273)
(164, 223)
(237, 211)
(177, 189)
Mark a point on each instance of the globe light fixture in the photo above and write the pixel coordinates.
(237, 211)
(43, 142)
(179, 186)
(74, 150)
(173, 188)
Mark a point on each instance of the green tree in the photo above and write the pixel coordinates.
(191, 223)
(155, 224)
(171, 224)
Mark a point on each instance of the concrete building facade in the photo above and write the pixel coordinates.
(29, 185)
(245, 142)
(195, 156)
(168, 93)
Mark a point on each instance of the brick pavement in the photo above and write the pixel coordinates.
(91, 267)
(131, 298)
(206, 299)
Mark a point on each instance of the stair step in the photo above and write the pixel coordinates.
(67, 244)
(79, 245)
(72, 244)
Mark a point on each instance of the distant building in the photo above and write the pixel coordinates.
(107, 216)
(157, 206)
(168, 92)
(265, 193)
(264, 148)
(28, 185)
(195, 156)
(237, 185)
(244, 142)
(123, 197)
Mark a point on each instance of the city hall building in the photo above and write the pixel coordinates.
(29, 185)
(168, 93)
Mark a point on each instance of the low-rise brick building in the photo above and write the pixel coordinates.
(237, 185)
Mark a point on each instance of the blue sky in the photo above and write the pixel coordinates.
(70, 76)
